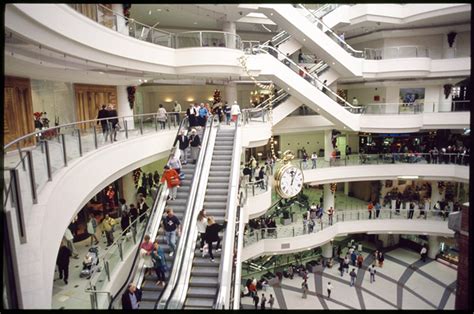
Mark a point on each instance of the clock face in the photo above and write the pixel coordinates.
(289, 181)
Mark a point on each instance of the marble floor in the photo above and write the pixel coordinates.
(404, 282)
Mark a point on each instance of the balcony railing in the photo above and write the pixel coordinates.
(396, 52)
(135, 29)
(415, 107)
(298, 228)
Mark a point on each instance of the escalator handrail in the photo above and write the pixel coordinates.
(315, 78)
(188, 225)
(159, 195)
(225, 274)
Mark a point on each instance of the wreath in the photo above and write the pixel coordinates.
(131, 95)
(333, 187)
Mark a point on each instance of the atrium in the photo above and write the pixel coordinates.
(237, 156)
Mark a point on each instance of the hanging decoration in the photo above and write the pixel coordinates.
(441, 187)
(131, 95)
(136, 176)
(447, 90)
(333, 187)
(451, 37)
(126, 11)
(217, 97)
(271, 89)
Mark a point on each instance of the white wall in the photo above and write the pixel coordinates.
(463, 44)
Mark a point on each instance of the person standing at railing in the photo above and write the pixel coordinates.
(314, 159)
(370, 207)
(161, 116)
(113, 122)
(330, 215)
(235, 111)
(172, 227)
(103, 113)
(305, 160)
(411, 211)
(177, 110)
(377, 209)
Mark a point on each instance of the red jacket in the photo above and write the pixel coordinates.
(168, 175)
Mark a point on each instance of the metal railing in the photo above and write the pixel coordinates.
(254, 115)
(253, 188)
(105, 16)
(298, 228)
(310, 78)
(396, 52)
(394, 108)
(325, 9)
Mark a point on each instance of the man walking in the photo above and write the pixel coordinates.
(377, 209)
(372, 272)
(314, 159)
(63, 262)
(172, 227)
(329, 288)
(353, 276)
(330, 214)
(423, 253)
(263, 302)
(255, 300)
(370, 207)
(103, 113)
(271, 300)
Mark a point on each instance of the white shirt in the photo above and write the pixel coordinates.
(201, 225)
(177, 107)
(161, 114)
(355, 102)
(68, 235)
(235, 109)
(314, 156)
(329, 286)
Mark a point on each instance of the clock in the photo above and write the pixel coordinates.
(289, 178)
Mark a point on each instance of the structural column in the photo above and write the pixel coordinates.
(433, 246)
(129, 191)
(123, 107)
(327, 144)
(326, 252)
(435, 195)
(328, 198)
(346, 188)
(230, 93)
(120, 20)
(230, 27)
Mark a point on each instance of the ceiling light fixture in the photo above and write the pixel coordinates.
(195, 23)
(149, 12)
(159, 10)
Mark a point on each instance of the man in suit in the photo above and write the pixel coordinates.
(63, 262)
(131, 298)
(113, 122)
(103, 113)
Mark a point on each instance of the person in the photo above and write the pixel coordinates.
(353, 276)
(172, 180)
(329, 288)
(305, 160)
(300, 57)
(377, 209)
(226, 111)
(290, 271)
(69, 237)
(341, 268)
(348, 150)
(125, 220)
(253, 165)
(133, 213)
(372, 272)
(142, 207)
(183, 141)
(271, 301)
(201, 226)
(92, 228)
(314, 159)
(255, 300)
(370, 207)
(411, 211)
(191, 113)
(177, 110)
(355, 102)
(174, 163)
(110, 197)
(203, 113)
(103, 113)
(159, 263)
(346, 263)
(145, 251)
(381, 259)
(324, 88)
(113, 122)
(360, 260)
(161, 116)
(195, 143)
(172, 227)
(131, 298)
(156, 178)
(108, 227)
(235, 111)
(330, 215)
(353, 257)
(263, 302)
(423, 253)
(304, 287)
(63, 262)
(212, 235)
(123, 206)
(261, 177)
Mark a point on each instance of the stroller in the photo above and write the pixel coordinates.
(90, 263)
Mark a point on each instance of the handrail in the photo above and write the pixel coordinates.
(315, 78)
(328, 29)
(182, 252)
(163, 193)
(238, 266)
(223, 296)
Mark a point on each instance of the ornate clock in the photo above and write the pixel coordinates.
(289, 178)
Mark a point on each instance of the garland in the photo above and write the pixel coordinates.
(131, 95)
(136, 176)
(447, 90)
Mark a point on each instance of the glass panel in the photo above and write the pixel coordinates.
(186, 40)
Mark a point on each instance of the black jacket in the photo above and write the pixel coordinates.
(103, 113)
(183, 142)
(112, 114)
(212, 232)
(126, 303)
(63, 256)
(195, 141)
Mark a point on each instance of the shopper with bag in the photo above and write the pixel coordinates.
(172, 180)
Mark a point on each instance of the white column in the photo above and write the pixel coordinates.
(346, 188)
(129, 191)
(230, 94)
(327, 250)
(120, 20)
(444, 103)
(327, 145)
(389, 239)
(435, 195)
(123, 107)
(230, 27)
(433, 246)
(328, 198)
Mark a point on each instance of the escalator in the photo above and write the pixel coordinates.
(151, 293)
(203, 283)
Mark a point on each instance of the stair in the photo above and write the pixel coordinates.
(203, 284)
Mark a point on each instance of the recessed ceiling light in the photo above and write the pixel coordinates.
(101, 72)
(149, 12)
(304, 39)
(333, 63)
(271, 14)
(159, 10)
(195, 23)
(288, 88)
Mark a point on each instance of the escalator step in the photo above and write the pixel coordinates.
(204, 281)
(202, 292)
(204, 271)
(199, 303)
(147, 305)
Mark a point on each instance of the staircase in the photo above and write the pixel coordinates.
(203, 283)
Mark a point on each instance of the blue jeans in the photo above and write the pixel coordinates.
(352, 281)
(170, 237)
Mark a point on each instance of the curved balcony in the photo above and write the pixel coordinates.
(297, 237)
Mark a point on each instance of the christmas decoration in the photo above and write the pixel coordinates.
(217, 97)
(441, 187)
(136, 176)
(447, 90)
(131, 95)
(451, 37)
(333, 187)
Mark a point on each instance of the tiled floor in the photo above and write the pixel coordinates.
(418, 291)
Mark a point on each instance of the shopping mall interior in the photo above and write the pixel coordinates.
(237, 156)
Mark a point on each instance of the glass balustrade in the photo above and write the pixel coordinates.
(396, 52)
(298, 228)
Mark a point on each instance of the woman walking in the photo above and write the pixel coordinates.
(161, 116)
(202, 225)
(212, 235)
(92, 229)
